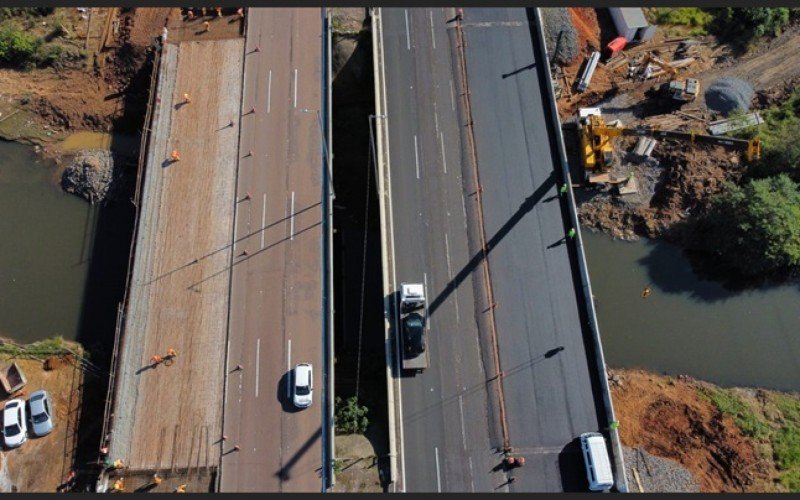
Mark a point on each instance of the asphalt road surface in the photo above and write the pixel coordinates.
(545, 348)
(276, 289)
(446, 410)
(450, 412)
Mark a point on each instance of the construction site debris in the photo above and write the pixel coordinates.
(12, 378)
(728, 94)
(655, 474)
(560, 35)
(720, 127)
(91, 175)
(588, 72)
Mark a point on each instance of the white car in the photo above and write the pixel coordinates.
(15, 427)
(40, 413)
(303, 387)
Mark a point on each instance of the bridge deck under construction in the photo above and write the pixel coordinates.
(169, 416)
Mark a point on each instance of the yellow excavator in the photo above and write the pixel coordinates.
(597, 150)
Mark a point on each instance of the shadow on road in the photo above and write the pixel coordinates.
(284, 393)
(283, 472)
(225, 247)
(412, 417)
(520, 70)
(572, 468)
(501, 233)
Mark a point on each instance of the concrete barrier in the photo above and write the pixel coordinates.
(619, 465)
(381, 155)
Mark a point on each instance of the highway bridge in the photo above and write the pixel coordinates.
(471, 165)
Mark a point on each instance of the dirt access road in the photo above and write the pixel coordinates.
(276, 289)
(170, 416)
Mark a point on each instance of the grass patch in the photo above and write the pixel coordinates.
(786, 441)
(746, 419)
(41, 349)
(694, 19)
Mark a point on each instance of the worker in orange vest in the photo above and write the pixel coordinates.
(156, 359)
(119, 485)
(171, 353)
(181, 489)
(175, 155)
(187, 98)
(206, 26)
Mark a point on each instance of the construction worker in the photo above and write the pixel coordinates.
(119, 485)
(118, 463)
(240, 12)
(156, 359)
(571, 232)
(181, 489)
(206, 26)
(563, 189)
(175, 155)
(187, 98)
(171, 353)
(156, 479)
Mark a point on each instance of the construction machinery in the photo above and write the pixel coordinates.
(597, 150)
(678, 90)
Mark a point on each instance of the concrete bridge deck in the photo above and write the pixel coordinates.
(170, 416)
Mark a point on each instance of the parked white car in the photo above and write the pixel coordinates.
(41, 416)
(15, 427)
(303, 387)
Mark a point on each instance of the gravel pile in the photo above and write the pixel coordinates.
(658, 475)
(90, 175)
(728, 94)
(555, 21)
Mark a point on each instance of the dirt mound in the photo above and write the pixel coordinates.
(91, 175)
(686, 177)
(729, 94)
(669, 419)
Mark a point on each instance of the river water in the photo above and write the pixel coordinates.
(688, 326)
(44, 251)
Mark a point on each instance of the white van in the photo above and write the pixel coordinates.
(598, 465)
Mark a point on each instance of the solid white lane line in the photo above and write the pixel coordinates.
(435, 117)
(416, 155)
(438, 475)
(433, 37)
(269, 92)
(427, 323)
(444, 159)
(295, 87)
(291, 231)
(263, 219)
(471, 476)
(408, 34)
(258, 361)
(289, 370)
(447, 254)
(463, 433)
(452, 96)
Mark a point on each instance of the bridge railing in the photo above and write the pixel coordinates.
(619, 464)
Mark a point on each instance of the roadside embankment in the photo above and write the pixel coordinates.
(729, 439)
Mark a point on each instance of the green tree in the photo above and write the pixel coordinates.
(350, 417)
(747, 23)
(755, 230)
(17, 47)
